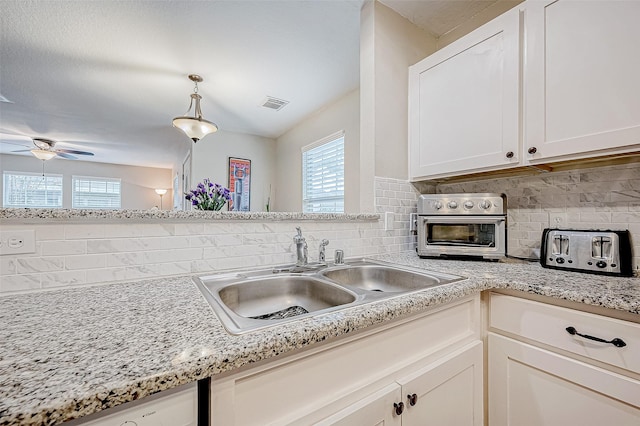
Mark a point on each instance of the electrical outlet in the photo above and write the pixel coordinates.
(557, 220)
(17, 242)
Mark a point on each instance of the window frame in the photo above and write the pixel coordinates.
(323, 203)
(6, 193)
(98, 195)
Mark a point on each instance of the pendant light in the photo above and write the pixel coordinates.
(195, 127)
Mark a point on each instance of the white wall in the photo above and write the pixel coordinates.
(210, 159)
(343, 114)
(138, 183)
(389, 44)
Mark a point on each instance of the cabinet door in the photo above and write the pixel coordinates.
(464, 103)
(374, 410)
(582, 92)
(533, 386)
(448, 392)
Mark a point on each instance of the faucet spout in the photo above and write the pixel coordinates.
(301, 248)
(321, 255)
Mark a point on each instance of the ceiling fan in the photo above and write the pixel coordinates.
(45, 150)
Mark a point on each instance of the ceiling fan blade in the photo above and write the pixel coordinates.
(22, 150)
(73, 151)
(67, 156)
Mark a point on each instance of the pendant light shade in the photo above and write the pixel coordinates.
(195, 127)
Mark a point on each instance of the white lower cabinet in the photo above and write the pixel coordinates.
(370, 378)
(447, 392)
(554, 378)
(175, 407)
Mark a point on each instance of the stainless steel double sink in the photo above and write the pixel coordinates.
(253, 300)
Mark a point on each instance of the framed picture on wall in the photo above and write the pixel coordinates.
(239, 184)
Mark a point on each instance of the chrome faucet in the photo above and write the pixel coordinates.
(301, 248)
(321, 255)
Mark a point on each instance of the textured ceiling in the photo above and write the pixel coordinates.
(108, 76)
(438, 16)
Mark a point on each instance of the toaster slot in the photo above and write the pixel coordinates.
(560, 245)
(601, 247)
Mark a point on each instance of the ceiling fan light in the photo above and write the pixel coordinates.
(43, 154)
(195, 128)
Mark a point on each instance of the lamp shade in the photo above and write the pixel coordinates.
(43, 154)
(194, 127)
(161, 191)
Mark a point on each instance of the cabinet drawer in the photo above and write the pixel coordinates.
(547, 324)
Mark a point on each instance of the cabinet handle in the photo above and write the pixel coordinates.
(618, 343)
(509, 154)
(399, 406)
(413, 399)
(532, 150)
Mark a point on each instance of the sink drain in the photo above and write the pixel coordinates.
(291, 311)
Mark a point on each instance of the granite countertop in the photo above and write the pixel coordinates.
(69, 353)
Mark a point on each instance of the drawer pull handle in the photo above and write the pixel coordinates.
(399, 407)
(618, 343)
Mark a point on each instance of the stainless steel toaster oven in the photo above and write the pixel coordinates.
(462, 226)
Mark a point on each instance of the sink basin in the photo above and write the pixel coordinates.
(258, 299)
(380, 278)
(247, 303)
(282, 296)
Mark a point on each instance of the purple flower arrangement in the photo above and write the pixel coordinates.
(208, 196)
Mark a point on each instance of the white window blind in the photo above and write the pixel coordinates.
(95, 193)
(31, 190)
(323, 175)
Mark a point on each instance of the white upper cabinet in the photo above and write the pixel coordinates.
(576, 64)
(582, 78)
(464, 103)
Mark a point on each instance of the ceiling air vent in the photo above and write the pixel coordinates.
(274, 103)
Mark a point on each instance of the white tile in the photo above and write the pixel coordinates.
(39, 264)
(124, 259)
(78, 232)
(139, 230)
(49, 232)
(105, 275)
(168, 256)
(22, 282)
(61, 248)
(63, 279)
(87, 261)
(189, 228)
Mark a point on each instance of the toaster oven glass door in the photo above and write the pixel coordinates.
(462, 234)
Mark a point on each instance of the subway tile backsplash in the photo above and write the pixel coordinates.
(72, 254)
(593, 198)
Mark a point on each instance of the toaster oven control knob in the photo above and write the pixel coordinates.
(437, 205)
(601, 264)
(484, 204)
(452, 205)
(468, 205)
(560, 260)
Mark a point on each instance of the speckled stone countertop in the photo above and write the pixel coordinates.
(71, 215)
(69, 353)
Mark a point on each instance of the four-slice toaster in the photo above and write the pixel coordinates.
(593, 251)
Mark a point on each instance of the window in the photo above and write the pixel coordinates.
(323, 175)
(31, 190)
(95, 193)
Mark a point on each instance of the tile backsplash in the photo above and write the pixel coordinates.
(71, 254)
(591, 198)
